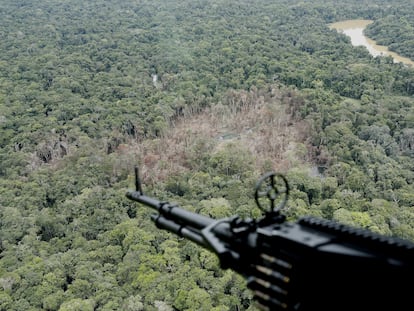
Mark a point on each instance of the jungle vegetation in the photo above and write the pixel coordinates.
(395, 30)
(205, 96)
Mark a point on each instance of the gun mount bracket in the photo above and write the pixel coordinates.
(225, 255)
(272, 191)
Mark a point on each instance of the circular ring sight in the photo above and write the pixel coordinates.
(272, 191)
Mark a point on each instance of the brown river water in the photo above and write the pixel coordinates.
(355, 30)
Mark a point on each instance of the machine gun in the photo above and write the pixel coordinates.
(308, 265)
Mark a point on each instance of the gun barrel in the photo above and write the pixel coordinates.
(185, 232)
(172, 212)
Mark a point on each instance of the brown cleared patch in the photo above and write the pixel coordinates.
(262, 123)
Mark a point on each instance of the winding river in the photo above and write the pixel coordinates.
(355, 30)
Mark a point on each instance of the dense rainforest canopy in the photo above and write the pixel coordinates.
(205, 96)
(396, 31)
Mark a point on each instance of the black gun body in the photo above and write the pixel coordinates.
(308, 265)
(337, 268)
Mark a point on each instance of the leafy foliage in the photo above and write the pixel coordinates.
(396, 31)
(205, 96)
